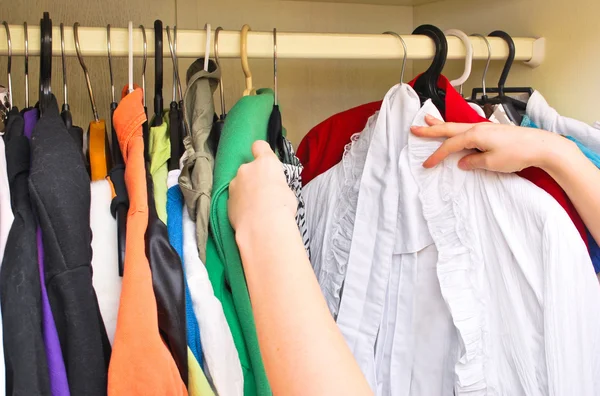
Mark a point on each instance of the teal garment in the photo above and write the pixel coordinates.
(174, 208)
(593, 246)
(246, 123)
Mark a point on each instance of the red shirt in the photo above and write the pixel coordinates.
(323, 146)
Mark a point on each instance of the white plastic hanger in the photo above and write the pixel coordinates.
(207, 47)
(468, 58)
(130, 61)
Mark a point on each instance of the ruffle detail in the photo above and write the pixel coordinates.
(460, 266)
(335, 264)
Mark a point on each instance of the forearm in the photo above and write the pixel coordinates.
(303, 351)
(578, 176)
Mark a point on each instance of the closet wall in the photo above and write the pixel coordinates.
(568, 78)
(309, 90)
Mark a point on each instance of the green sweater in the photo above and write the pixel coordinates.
(246, 123)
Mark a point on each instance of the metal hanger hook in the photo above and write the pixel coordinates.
(64, 66)
(174, 59)
(110, 69)
(489, 58)
(404, 57)
(9, 65)
(144, 63)
(26, 38)
(85, 71)
(275, 65)
(217, 61)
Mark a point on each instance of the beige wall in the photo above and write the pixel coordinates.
(568, 78)
(309, 90)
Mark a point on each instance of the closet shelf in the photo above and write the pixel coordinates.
(191, 44)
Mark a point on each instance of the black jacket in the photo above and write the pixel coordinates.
(20, 290)
(60, 192)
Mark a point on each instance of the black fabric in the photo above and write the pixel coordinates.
(168, 284)
(175, 137)
(20, 290)
(117, 177)
(60, 194)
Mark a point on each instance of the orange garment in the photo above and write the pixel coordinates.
(140, 364)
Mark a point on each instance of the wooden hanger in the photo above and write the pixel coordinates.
(244, 56)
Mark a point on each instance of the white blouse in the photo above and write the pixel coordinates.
(452, 282)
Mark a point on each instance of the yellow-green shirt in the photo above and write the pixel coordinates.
(159, 147)
(197, 383)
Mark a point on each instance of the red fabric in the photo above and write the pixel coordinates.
(323, 146)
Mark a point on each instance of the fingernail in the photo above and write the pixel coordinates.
(414, 128)
(464, 165)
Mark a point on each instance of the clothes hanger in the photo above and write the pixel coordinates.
(45, 62)
(26, 39)
(145, 59)
(244, 57)
(158, 73)
(9, 98)
(5, 102)
(218, 121)
(175, 137)
(468, 58)
(66, 110)
(404, 56)
(483, 90)
(426, 84)
(120, 202)
(98, 147)
(514, 108)
(275, 127)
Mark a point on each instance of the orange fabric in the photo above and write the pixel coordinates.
(113, 193)
(140, 364)
(97, 150)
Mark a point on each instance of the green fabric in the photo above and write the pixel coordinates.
(246, 122)
(159, 147)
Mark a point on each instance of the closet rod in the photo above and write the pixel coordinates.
(190, 44)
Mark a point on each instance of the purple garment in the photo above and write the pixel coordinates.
(59, 386)
(30, 117)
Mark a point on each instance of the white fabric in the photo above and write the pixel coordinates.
(477, 109)
(499, 116)
(516, 276)
(172, 177)
(406, 343)
(221, 357)
(105, 260)
(548, 118)
(6, 220)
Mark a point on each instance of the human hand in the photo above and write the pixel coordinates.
(259, 190)
(502, 148)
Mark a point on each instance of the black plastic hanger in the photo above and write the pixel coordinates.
(66, 110)
(426, 84)
(158, 72)
(45, 62)
(275, 126)
(514, 108)
(175, 131)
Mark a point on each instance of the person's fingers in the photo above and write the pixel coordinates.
(260, 148)
(449, 146)
(475, 161)
(431, 120)
(447, 129)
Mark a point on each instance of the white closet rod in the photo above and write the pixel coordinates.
(190, 44)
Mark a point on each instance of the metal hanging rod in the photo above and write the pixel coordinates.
(289, 45)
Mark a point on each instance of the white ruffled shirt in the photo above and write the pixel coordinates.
(502, 302)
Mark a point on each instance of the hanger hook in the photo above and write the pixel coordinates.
(468, 57)
(244, 58)
(144, 63)
(509, 59)
(217, 61)
(207, 46)
(174, 59)
(85, 71)
(110, 69)
(64, 66)
(9, 66)
(404, 56)
(174, 49)
(489, 58)
(275, 65)
(26, 38)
